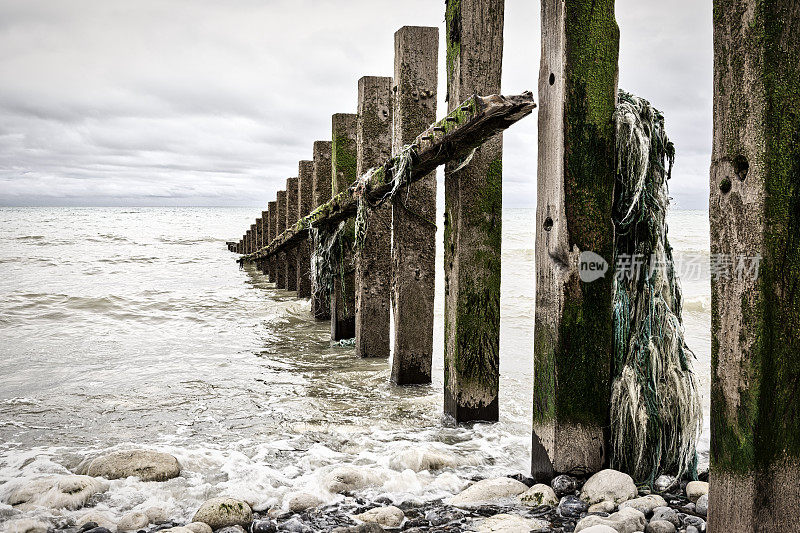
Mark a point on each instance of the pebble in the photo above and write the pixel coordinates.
(87, 526)
(572, 506)
(132, 521)
(231, 529)
(301, 501)
(624, 521)
(198, 527)
(263, 526)
(660, 526)
(389, 516)
(665, 483)
(695, 489)
(701, 505)
(645, 504)
(695, 521)
(692, 529)
(668, 514)
(564, 484)
(602, 507)
(296, 525)
(540, 494)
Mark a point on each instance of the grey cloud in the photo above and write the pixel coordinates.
(201, 102)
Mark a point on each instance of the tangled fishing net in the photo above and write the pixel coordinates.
(655, 409)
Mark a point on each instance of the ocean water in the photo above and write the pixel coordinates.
(134, 327)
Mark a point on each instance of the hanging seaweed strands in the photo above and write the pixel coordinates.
(398, 168)
(326, 258)
(655, 409)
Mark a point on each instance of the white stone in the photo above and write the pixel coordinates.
(223, 512)
(702, 505)
(178, 529)
(346, 479)
(609, 485)
(488, 490)
(133, 521)
(660, 526)
(389, 516)
(602, 507)
(101, 519)
(645, 504)
(539, 494)
(623, 521)
(599, 528)
(300, 501)
(156, 514)
(198, 527)
(55, 492)
(509, 523)
(418, 460)
(26, 525)
(144, 464)
(695, 489)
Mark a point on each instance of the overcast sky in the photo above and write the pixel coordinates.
(197, 102)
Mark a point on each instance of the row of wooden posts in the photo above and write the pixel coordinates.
(755, 179)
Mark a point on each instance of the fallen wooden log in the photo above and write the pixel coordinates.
(451, 139)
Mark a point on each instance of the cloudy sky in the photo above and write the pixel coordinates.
(201, 102)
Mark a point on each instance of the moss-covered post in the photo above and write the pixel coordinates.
(305, 189)
(373, 281)
(271, 234)
(343, 174)
(573, 350)
(414, 209)
(754, 212)
(280, 227)
(473, 220)
(320, 299)
(290, 264)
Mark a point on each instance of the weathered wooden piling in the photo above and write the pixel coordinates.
(305, 201)
(290, 264)
(343, 166)
(414, 208)
(320, 299)
(264, 240)
(573, 349)
(271, 234)
(374, 251)
(252, 238)
(257, 240)
(473, 221)
(755, 267)
(280, 258)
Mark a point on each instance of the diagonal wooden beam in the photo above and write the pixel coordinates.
(453, 138)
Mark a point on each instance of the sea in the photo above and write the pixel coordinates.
(130, 328)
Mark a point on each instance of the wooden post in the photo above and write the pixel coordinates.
(320, 299)
(257, 241)
(343, 173)
(755, 267)
(280, 227)
(271, 234)
(252, 238)
(291, 218)
(373, 259)
(573, 349)
(414, 209)
(305, 200)
(473, 221)
(264, 230)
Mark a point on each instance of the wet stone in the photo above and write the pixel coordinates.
(695, 521)
(572, 506)
(564, 484)
(666, 483)
(263, 526)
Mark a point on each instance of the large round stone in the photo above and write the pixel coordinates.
(144, 464)
(645, 504)
(389, 516)
(488, 490)
(55, 492)
(539, 494)
(609, 485)
(224, 512)
(695, 489)
(625, 521)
